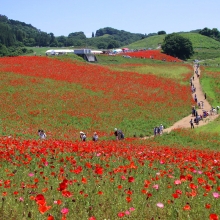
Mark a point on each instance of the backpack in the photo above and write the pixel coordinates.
(83, 137)
(120, 134)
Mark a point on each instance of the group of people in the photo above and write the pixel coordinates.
(117, 132)
(158, 130)
(200, 104)
(83, 136)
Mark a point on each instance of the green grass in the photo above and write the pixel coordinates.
(201, 41)
(149, 42)
(212, 127)
(198, 41)
(210, 82)
(175, 71)
(206, 55)
(205, 137)
(204, 47)
(207, 84)
(213, 62)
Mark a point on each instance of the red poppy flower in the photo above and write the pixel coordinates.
(131, 179)
(213, 217)
(50, 217)
(187, 207)
(120, 186)
(100, 192)
(99, 170)
(207, 206)
(43, 208)
(175, 195)
(66, 194)
(40, 200)
(84, 180)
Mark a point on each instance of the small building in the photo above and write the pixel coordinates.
(86, 54)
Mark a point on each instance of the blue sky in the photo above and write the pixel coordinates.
(62, 17)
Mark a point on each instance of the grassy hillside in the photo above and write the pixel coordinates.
(201, 41)
(204, 47)
(90, 97)
(150, 42)
(198, 41)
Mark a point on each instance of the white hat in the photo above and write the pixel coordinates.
(116, 129)
(81, 132)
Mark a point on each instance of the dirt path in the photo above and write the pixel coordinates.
(184, 123)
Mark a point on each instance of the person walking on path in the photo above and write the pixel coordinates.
(155, 131)
(205, 95)
(202, 104)
(161, 129)
(191, 123)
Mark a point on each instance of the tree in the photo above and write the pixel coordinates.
(177, 46)
(102, 45)
(3, 50)
(93, 34)
(113, 44)
(161, 32)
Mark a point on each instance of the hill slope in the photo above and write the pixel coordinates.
(198, 41)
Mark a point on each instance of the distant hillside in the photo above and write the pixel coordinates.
(17, 33)
(201, 41)
(198, 41)
(149, 42)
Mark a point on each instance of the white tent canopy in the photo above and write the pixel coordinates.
(117, 50)
(59, 51)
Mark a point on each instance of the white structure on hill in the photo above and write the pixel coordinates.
(58, 51)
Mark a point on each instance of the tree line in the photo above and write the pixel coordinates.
(213, 33)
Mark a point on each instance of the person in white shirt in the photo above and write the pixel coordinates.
(82, 136)
(161, 129)
(42, 134)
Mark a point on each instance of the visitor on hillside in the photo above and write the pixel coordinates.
(196, 114)
(82, 136)
(191, 123)
(202, 104)
(119, 134)
(217, 108)
(155, 131)
(161, 129)
(42, 134)
(158, 130)
(205, 95)
(95, 137)
(195, 98)
(193, 111)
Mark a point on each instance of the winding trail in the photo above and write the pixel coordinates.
(185, 122)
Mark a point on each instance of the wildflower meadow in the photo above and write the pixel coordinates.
(175, 176)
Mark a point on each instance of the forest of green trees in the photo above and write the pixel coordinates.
(15, 35)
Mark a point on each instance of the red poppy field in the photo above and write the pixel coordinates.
(64, 97)
(153, 54)
(62, 178)
(107, 180)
